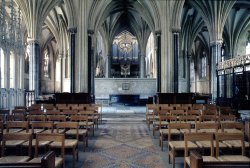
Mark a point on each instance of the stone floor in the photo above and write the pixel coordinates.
(123, 140)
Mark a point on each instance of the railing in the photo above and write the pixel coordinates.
(9, 98)
(29, 97)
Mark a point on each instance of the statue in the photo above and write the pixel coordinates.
(125, 70)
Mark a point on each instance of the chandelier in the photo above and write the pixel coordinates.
(10, 28)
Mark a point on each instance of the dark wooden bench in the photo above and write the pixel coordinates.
(47, 161)
(196, 161)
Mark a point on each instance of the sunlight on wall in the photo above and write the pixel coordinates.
(248, 49)
(12, 70)
(2, 68)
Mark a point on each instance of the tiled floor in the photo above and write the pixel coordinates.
(123, 140)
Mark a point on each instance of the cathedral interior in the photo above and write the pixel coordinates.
(132, 52)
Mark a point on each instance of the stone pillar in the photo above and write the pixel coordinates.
(142, 66)
(215, 58)
(91, 67)
(108, 66)
(188, 72)
(176, 57)
(7, 68)
(61, 58)
(158, 56)
(34, 67)
(1, 69)
(72, 32)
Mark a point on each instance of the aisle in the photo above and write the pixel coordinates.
(122, 145)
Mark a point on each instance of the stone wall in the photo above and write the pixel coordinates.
(143, 87)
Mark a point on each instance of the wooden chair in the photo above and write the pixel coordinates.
(56, 118)
(229, 137)
(36, 112)
(83, 122)
(47, 161)
(19, 112)
(92, 115)
(227, 118)
(208, 118)
(40, 127)
(198, 107)
(235, 127)
(209, 112)
(232, 127)
(149, 113)
(194, 112)
(207, 128)
(196, 161)
(17, 126)
(70, 128)
(36, 117)
(53, 112)
(14, 137)
(174, 146)
(16, 117)
(48, 106)
(59, 138)
(73, 129)
(164, 130)
(177, 112)
(193, 137)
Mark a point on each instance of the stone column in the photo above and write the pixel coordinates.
(61, 58)
(34, 67)
(188, 72)
(91, 67)
(158, 56)
(142, 66)
(215, 58)
(72, 32)
(108, 66)
(7, 68)
(176, 57)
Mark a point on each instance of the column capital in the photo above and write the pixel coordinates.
(32, 41)
(217, 42)
(158, 32)
(176, 30)
(90, 32)
(72, 30)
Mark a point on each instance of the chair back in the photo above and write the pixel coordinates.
(229, 136)
(17, 124)
(17, 136)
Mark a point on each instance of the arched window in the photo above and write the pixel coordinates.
(203, 65)
(46, 63)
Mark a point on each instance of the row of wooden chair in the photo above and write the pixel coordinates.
(163, 120)
(68, 128)
(232, 127)
(85, 121)
(175, 129)
(219, 139)
(55, 141)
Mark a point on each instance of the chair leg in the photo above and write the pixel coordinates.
(173, 159)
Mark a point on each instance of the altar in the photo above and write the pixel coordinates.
(143, 87)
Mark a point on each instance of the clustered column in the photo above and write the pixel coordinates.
(72, 32)
(142, 66)
(176, 56)
(216, 57)
(34, 67)
(158, 55)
